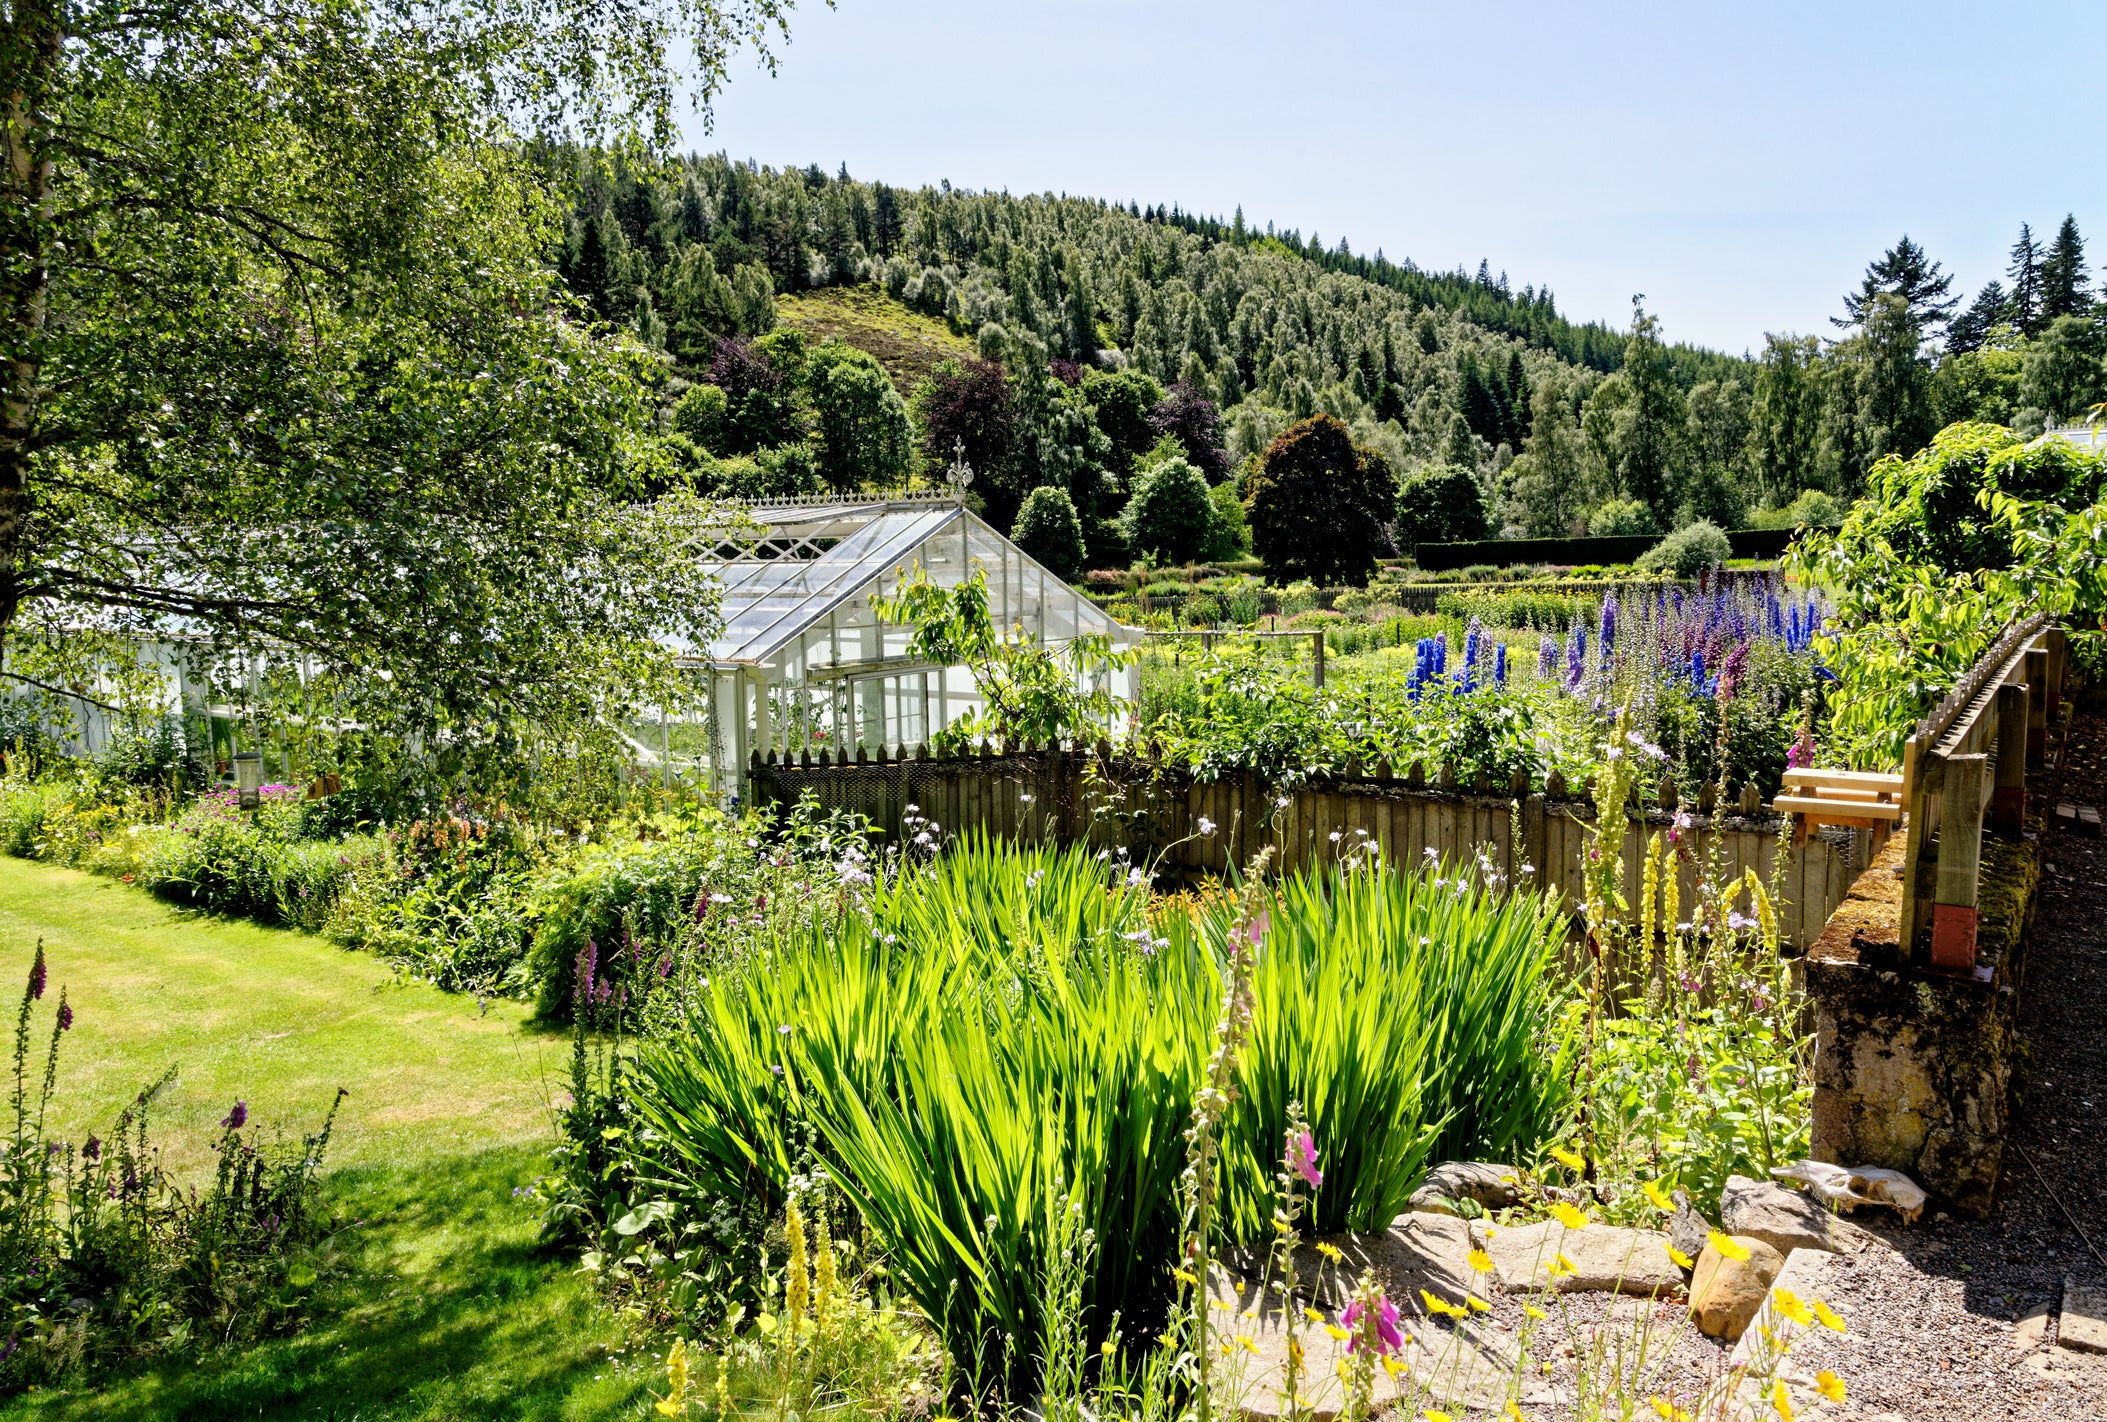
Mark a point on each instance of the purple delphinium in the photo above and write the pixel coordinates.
(1609, 625)
(1546, 657)
(1499, 665)
(1576, 657)
(1730, 674)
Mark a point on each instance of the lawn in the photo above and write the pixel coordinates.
(445, 1307)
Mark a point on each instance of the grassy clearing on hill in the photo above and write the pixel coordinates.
(444, 1305)
(907, 343)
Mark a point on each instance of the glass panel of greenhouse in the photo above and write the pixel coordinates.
(803, 661)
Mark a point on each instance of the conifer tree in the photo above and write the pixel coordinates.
(1968, 330)
(1907, 271)
(2065, 286)
(2025, 274)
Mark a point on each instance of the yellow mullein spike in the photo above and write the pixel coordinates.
(1828, 1317)
(1571, 1218)
(1569, 1159)
(1726, 1247)
(1682, 1260)
(1829, 1385)
(1480, 1261)
(1660, 1197)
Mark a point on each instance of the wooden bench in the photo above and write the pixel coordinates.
(1855, 799)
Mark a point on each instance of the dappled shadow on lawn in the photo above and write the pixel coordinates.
(449, 1309)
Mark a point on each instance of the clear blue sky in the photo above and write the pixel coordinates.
(1738, 167)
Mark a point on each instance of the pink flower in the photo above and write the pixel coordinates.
(1302, 1158)
(1385, 1325)
(1255, 930)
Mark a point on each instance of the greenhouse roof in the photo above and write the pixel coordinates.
(811, 558)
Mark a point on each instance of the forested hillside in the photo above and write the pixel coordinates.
(1098, 328)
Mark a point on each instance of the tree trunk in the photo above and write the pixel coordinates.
(29, 51)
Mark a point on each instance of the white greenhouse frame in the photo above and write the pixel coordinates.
(804, 662)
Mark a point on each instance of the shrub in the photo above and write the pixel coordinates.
(700, 415)
(1440, 504)
(1170, 513)
(1318, 504)
(257, 863)
(1228, 531)
(1688, 551)
(1048, 530)
(1622, 518)
(866, 436)
(1811, 508)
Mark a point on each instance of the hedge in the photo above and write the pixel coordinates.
(1503, 552)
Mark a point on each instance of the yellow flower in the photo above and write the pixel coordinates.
(1726, 1247)
(1788, 1303)
(1441, 1306)
(1514, 1414)
(1534, 1312)
(1337, 1332)
(1828, 1317)
(1566, 1215)
(1329, 1251)
(1781, 1399)
(1476, 1304)
(1295, 1349)
(1434, 1415)
(1481, 1262)
(1311, 1314)
(1568, 1159)
(1109, 1347)
(1392, 1366)
(1250, 1344)
(1682, 1260)
(1668, 1411)
(1829, 1385)
(1184, 1276)
(1221, 1304)
(1660, 1197)
(1492, 1231)
(1563, 1265)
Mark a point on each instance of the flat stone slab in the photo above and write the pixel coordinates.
(1808, 1274)
(1604, 1258)
(1780, 1216)
(1418, 1251)
(2082, 1328)
(1460, 1369)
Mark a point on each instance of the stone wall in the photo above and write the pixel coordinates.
(1913, 1067)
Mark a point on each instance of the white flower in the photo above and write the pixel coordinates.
(720, 898)
(784, 1029)
(1206, 825)
(1136, 878)
(1432, 852)
(1024, 799)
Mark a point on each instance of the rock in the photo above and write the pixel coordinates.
(1779, 1215)
(1846, 1188)
(1726, 1294)
(2083, 1325)
(1809, 1274)
(1493, 1187)
(1418, 1251)
(1687, 1229)
(1462, 1369)
(1605, 1258)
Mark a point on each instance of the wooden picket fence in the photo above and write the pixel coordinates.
(1166, 817)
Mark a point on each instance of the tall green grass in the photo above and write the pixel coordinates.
(1006, 1031)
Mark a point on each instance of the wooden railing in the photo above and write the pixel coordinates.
(1965, 767)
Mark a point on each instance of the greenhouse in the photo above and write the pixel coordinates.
(804, 663)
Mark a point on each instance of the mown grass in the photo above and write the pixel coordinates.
(444, 1305)
(908, 344)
